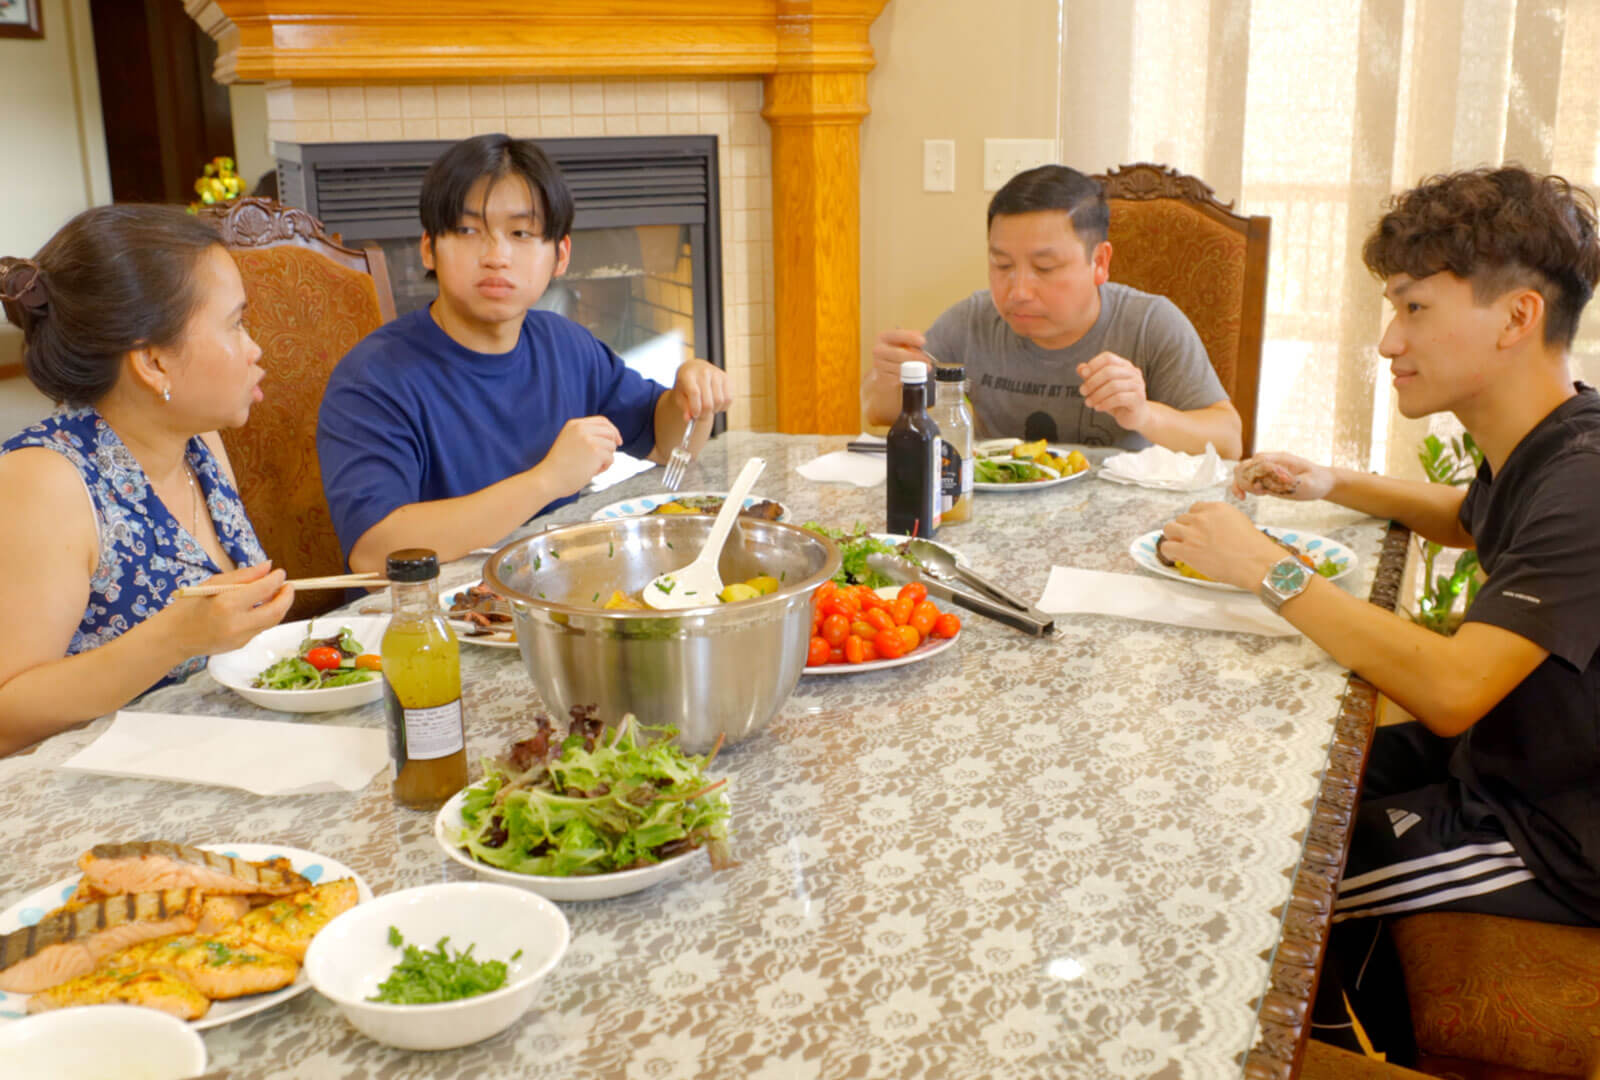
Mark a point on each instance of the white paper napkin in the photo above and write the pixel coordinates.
(1136, 596)
(844, 467)
(260, 756)
(623, 467)
(1169, 470)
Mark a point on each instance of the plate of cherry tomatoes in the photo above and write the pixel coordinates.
(856, 628)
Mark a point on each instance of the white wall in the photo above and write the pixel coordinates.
(54, 147)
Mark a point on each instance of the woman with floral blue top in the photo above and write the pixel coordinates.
(132, 321)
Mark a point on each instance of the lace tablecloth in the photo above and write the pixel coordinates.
(1021, 858)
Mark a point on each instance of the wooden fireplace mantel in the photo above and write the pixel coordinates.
(814, 56)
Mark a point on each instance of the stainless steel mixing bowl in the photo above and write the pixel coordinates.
(724, 669)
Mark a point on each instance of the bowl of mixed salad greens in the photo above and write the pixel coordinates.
(317, 665)
(602, 811)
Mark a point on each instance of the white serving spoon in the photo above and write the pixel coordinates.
(698, 584)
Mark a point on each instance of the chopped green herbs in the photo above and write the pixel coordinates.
(611, 549)
(422, 978)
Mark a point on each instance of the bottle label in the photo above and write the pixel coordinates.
(955, 476)
(421, 734)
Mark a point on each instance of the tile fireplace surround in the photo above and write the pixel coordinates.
(781, 83)
(728, 109)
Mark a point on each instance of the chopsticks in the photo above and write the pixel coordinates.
(858, 447)
(371, 579)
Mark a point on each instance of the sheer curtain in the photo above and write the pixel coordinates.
(1314, 115)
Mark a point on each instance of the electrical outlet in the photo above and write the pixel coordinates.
(938, 164)
(1005, 158)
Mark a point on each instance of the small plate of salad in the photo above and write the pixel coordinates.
(317, 665)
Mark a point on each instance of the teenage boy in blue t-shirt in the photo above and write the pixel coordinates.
(452, 425)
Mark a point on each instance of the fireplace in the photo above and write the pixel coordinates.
(645, 275)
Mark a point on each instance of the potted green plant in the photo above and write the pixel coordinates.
(1454, 462)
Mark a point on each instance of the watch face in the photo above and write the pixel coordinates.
(1290, 575)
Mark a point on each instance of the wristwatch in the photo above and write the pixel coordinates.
(1286, 580)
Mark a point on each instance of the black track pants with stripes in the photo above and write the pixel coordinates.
(1421, 843)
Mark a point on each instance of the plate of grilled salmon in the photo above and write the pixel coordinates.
(208, 933)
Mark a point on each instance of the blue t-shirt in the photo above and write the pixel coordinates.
(412, 416)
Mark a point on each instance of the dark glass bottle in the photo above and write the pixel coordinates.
(913, 459)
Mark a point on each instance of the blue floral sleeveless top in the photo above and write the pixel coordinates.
(146, 554)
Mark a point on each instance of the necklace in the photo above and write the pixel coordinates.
(194, 501)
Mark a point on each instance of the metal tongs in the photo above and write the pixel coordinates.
(942, 585)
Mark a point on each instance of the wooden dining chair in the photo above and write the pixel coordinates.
(310, 300)
(1172, 236)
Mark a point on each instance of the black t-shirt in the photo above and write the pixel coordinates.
(1535, 757)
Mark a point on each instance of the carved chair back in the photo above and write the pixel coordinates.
(310, 300)
(1172, 236)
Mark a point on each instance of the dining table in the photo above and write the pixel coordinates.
(1099, 853)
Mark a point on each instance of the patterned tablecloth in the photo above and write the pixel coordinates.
(1020, 858)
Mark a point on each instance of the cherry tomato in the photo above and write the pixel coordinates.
(890, 645)
(916, 590)
(817, 654)
(369, 662)
(855, 649)
(863, 628)
(825, 590)
(879, 618)
(900, 607)
(923, 616)
(835, 628)
(841, 604)
(947, 625)
(908, 636)
(870, 600)
(869, 652)
(835, 656)
(324, 657)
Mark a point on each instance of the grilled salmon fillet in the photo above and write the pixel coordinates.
(287, 926)
(75, 937)
(220, 966)
(152, 989)
(150, 865)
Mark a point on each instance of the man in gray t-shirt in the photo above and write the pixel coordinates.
(1052, 349)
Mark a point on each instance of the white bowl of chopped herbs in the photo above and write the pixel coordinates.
(438, 966)
(595, 812)
(272, 671)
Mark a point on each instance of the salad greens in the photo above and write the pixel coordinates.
(297, 673)
(987, 470)
(422, 978)
(605, 799)
(854, 547)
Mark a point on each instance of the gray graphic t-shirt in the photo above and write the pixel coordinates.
(1019, 389)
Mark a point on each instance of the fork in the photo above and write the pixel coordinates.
(679, 462)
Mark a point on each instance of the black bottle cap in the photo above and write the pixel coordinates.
(949, 373)
(412, 564)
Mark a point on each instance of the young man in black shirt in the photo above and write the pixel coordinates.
(1490, 802)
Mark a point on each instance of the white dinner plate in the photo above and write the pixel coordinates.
(926, 651)
(238, 669)
(500, 639)
(313, 867)
(1320, 548)
(646, 504)
(448, 824)
(1002, 448)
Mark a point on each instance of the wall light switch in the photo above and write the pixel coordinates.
(938, 164)
(1005, 158)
